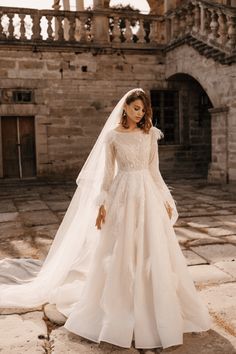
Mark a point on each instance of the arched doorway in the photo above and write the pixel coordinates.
(186, 149)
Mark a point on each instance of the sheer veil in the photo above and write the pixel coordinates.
(28, 283)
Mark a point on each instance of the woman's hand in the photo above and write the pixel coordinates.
(169, 209)
(101, 217)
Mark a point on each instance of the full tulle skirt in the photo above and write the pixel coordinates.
(138, 285)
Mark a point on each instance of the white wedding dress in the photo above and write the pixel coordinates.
(135, 283)
(138, 285)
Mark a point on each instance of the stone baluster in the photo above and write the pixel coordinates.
(223, 29)
(182, 22)
(89, 30)
(214, 25)
(11, 26)
(231, 32)
(22, 27)
(36, 29)
(207, 20)
(202, 19)
(189, 18)
(101, 28)
(49, 28)
(60, 31)
(141, 32)
(128, 32)
(2, 34)
(116, 30)
(175, 26)
(197, 19)
(71, 29)
(153, 32)
(81, 34)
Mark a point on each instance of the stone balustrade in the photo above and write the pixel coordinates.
(207, 26)
(208, 22)
(109, 27)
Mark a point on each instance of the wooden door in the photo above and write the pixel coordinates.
(18, 147)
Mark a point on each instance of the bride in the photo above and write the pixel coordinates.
(115, 268)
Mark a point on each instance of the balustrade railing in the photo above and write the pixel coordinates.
(211, 23)
(85, 27)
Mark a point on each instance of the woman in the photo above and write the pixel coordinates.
(126, 278)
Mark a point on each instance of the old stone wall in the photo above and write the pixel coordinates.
(219, 82)
(74, 94)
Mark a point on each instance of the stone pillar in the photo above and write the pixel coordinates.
(100, 23)
(98, 4)
(79, 5)
(219, 166)
(168, 4)
(66, 6)
(56, 6)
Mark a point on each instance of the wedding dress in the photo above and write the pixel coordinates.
(129, 279)
(138, 283)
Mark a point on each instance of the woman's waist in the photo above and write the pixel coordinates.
(130, 169)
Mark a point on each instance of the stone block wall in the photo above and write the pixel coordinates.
(74, 94)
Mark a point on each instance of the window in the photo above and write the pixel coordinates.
(165, 106)
(17, 96)
(22, 96)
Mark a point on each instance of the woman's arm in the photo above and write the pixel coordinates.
(101, 199)
(169, 201)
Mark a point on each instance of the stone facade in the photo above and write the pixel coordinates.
(59, 83)
(74, 94)
(218, 81)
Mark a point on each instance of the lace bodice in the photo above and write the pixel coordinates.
(132, 151)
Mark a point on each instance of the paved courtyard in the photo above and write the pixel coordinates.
(30, 213)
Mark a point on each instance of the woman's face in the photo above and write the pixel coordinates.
(135, 110)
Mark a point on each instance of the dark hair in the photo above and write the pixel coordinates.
(146, 122)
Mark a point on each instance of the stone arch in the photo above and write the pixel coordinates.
(218, 81)
(214, 77)
(192, 156)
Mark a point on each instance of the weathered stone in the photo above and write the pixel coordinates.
(8, 217)
(221, 302)
(193, 258)
(216, 253)
(41, 217)
(19, 334)
(54, 315)
(228, 267)
(207, 273)
(11, 229)
(67, 342)
(30, 205)
(58, 205)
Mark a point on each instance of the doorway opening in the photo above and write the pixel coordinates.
(18, 147)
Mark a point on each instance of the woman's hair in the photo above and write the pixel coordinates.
(146, 122)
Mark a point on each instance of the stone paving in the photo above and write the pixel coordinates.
(30, 213)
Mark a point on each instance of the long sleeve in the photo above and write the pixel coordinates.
(156, 175)
(108, 171)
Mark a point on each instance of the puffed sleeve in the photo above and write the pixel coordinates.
(157, 134)
(108, 170)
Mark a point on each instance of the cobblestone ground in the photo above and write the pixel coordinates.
(30, 213)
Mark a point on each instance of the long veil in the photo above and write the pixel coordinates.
(59, 279)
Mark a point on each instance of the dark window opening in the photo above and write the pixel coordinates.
(22, 96)
(165, 106)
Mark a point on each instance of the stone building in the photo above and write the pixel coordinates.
(62, 72)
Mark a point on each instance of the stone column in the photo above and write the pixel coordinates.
(100, 23)
(219, 166)
(168, 4)
(79, 5)
(66, 6)
(56, 6)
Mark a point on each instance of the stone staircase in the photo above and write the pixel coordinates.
(209, 28)
(205, 49)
